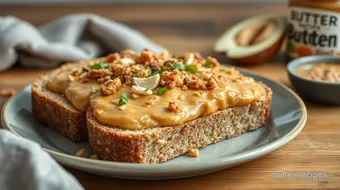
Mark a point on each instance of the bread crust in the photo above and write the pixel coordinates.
(159, 144)
(52, 108)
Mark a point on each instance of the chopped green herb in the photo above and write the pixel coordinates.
(191, 68)
(207, 64)
(160, 71)
(141, 66)
(149, 71)
(222, 70)
(136, 75)
(124, 99)
(162, 90)
(146, 89)
(175, 56)
(95, 90)
(178, 66)
(100, 65)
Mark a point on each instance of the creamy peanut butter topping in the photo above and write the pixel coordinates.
(323, 72)
(138, 91)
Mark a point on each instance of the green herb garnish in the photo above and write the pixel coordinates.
(149, 71)
(175, 56)
(146, 89)
(207, 64)
(160, 71)
(181, 67)
(178, 66)
(95, 90)
(136, 75)
(124, 99)
(222, 70)
(191, 68)
(100, 65)
(141, 66)
(162, 90)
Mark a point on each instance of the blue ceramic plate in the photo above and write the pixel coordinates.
(288, 117)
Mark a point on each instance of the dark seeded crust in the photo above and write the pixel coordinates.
(53, 109)
(159, 144)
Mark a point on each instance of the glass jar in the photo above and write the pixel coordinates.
(313, 28)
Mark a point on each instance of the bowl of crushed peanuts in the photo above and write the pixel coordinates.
(316, 78)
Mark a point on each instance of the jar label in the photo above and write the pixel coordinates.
(313, 32)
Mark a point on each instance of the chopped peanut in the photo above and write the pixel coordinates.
(134, 95)
(110, 87)
(181, 97)
(173, 107)
(122, 107)
(94, 157)
(100, 73)
(213, 61)
(194, 152)
(81, 153)
(199, 94)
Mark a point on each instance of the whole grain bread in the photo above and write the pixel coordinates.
(159, 144)
(151, 145)
(55, 110)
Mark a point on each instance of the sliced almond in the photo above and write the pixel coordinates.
(141, 90)
(189, 59)
(150, 82)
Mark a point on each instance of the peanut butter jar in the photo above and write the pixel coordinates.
(313, 28)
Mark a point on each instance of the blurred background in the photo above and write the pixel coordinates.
(179, 25)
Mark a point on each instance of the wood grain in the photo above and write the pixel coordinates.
(184, 27)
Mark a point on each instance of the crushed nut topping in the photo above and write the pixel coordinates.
(81, 153)
(71, 78)
(110, 87)
(100, 73)
(94, 157)
(199, 94)
(134, 95)
(173, 107)
(194, 152)
(122, 107)
(185, 71)
(149, 103)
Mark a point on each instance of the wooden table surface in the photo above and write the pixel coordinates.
(196, 28)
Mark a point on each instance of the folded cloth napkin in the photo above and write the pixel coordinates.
(25, 166)
(70, 38)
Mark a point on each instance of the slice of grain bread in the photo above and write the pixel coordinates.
(55, 110)
(159, 144)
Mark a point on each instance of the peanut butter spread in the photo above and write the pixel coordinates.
(323, 72)
(138, 91)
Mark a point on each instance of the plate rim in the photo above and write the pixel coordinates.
(220, 162)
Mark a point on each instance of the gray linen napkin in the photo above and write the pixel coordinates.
(70, 38)
(25, 166)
